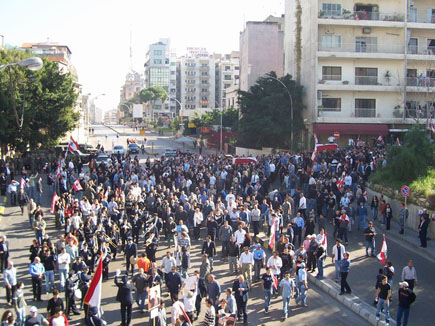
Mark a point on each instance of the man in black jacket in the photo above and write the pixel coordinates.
(4, 253)
(406, 298)
(241, 289)
(209, 248)
(130, 251)
(125, 296)
(422, 231)
(69, 295)
(233, 255)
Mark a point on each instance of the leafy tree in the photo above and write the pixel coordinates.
(47, 97)
(230, 119)
(265, 112)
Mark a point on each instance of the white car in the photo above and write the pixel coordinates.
(102, 158)
(119, 149)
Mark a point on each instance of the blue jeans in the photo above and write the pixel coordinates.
(31, 220)
(384, 219)
(362, 219)
(183, 272)
(267, 295)
(337, 270)
(320, 268)
(402, 311)
(63, 275)
(140, 300)
(49, 281)
(302, 295)
(374, 213)
(210, 259)
(21, 316)
(39, 236)
(285, 305)
(61, 217)
(386, 309)
(371, 245)
(38, 201)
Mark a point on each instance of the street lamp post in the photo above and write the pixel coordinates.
(33, 63)
(291, 106)
(221, 138)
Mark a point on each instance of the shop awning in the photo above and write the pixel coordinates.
(351, 129)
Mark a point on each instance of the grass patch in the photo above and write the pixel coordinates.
(425, 185)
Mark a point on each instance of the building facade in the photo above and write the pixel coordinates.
(197, 82)
(261, 50)
(160, 70)
(368, 68)
(227, 76)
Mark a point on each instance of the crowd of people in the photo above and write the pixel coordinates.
(233, 213)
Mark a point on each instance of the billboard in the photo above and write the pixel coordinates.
(137, 111)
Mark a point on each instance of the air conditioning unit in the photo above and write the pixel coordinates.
(329, 31)
(319, 95)
(366, 30)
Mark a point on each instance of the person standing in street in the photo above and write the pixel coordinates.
(287, 289)
(369, 234)
(37, 271)
(362, 215)
(10, 276)
(422, 231)
(406, 298)
(23, 199)
(241, 289)
(383, 294)
(275, 264)
(344, 272)
(246, 261)
(12, 190)
(70, 300)
(403, 217)
(233, 255)
(266, 284)
(409, 275)
(4, 253)
(140, 282)
(224, 234)
(209, 248)
(125, 297)
(337, 255)
(259, 261)
(130, 251)
(174, 282)
(303, 285)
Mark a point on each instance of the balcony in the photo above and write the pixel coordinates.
(425, 82)
(421, 52)
(420, 19)
(365, 112)
(359, 83)
(361, 50)
(366, 80)
(362, 15)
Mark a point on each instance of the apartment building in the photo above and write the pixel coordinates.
(261, 50)
(368, 67)
(227, 75)
(160, 70)
(197, 82)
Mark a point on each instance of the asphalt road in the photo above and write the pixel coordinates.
(321, 310)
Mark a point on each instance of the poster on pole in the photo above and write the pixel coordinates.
(137, 111)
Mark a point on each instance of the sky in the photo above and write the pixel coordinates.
(98, 32)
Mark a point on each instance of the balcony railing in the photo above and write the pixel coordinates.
(423, 50)
(366, 80)
(362, 15)
(362, 48)
(419, 112)
(330, 78)
(365, 112)
(420, 81)
(422, 18)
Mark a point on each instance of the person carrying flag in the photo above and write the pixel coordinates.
(266, 284)
(287, 290)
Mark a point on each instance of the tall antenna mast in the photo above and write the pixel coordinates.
(131, 52)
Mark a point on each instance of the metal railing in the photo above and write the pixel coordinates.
(362, 48)
(331, 78)
(366, 80)
(423, 50)
(420, 81)
(361, 15)
(422, 18)
(365, 112)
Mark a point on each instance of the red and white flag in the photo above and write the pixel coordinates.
(53, 202)
(77, 186)
(72, 145)
(185, 314)
(325, 241)
(93, 296)
(382, 256)
(431, 124)
(272, 235)
(23, 183)
(340, 183)
(274, 281)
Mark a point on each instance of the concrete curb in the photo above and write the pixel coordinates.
(351, 301)
(119, 133)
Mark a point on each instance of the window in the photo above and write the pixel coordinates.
(204, 73)
(366, 76)
(365, 108)
(411, 77)
(227, 68)
(331, 41)
(157, 61)
(366, 44)
(331, 9)
(204, 81)
(157, 52)
(227, 77)
(431, 15)
(331, 73)
(412, 15)
(413, 45)
(204, 98)
(331, 104)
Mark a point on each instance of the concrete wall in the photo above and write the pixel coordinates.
(413, 220)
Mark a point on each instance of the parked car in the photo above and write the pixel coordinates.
(170, 153)
(102, 158)
(118, 149)
(133, 148)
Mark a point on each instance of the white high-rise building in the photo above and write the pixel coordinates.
(161, 70)
(197, 82)
(227, 75)
(367, 67)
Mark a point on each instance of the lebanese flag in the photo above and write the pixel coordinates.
(93, 296)
(382, 256)
(431, 124)
(53, 202)
(272, 235)
(77, 186)
(185, 314)
(72, 145)
(340, 183)
(23, 183)
(274, 281)
(325, 241)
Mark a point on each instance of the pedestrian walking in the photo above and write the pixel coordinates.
(406, 298)
(275, 263)
(4, 253)
(10, 277)
(241, 289)
(20, 304)
(287, 290)
(344, 272)
(388, 216)
(266, 285)
(140, 282)
(338, 251)
(70, 300)
(369, 234)
(422, 231)
(246, 261)
(209, 248)
(409, 275)
(233, 255)
(37, 271)
(302, 286)
(383, 294)
(259, 261)
(125, 297)
(403, 217)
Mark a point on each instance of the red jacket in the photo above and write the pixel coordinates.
(50, 322)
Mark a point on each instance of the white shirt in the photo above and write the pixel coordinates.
(272, 167)
(227, 198)
(59, 321)
(176, 311)
(302, 203)
(63, 260)
(335, 252)
(246, 258)
(240, 236)
(409, 274)
(275, 264)
(197, 218)
(212, 180)
(348, 180)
